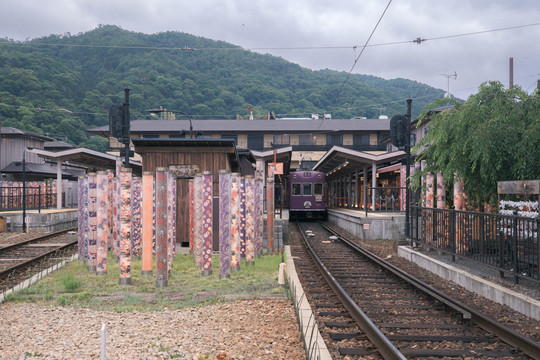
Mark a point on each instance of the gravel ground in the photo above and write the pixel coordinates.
(257, 329)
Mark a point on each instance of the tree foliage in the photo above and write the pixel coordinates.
(493, 136)
(86, 73)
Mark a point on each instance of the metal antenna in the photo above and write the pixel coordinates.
(448, 76)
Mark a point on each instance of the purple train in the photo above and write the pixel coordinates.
(307, 199)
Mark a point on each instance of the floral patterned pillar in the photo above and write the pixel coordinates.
(429, 190)
(136, 225)
(197, 220)
(441, 191)
(402, 183)
(270, 214)
(92, 223)
(242, 217)
(258, 215)
(250, 223)
(235, 221)
(114, 223)
(86, 219)
(147, 214)
(110, 177)
(170, 240)
(102, 185)
(118, 219)
(174, 204)
(207, 223)
(80, 222)
(191, 217)
(124, 250)
(162, 274)
(224, 224)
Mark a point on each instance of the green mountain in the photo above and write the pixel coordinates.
(63, 85)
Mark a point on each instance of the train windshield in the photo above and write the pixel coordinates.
(318, 188)
(307, 189)
(296, 189)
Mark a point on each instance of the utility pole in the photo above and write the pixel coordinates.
(408, 169)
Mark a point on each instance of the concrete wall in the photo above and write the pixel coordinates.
(372, 227)
(49, 220)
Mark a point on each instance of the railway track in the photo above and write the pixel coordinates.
(20, 261)
(367, 308)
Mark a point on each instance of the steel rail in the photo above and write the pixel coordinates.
(506, 334)
(385, 347)
(39, 238)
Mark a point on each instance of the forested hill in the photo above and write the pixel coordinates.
(63, 85)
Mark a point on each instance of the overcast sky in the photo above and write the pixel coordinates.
(333, 32)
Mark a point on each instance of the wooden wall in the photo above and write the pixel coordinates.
(207, 158)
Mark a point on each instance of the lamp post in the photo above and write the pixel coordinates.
(158, 111)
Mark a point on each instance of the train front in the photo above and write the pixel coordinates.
(307, 195)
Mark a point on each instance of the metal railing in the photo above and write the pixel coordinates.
(11, 197)
(508, 243)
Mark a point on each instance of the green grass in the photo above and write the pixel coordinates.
(74, 285)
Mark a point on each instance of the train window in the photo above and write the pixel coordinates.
(296, 189)
(318, 189)
(307, 189)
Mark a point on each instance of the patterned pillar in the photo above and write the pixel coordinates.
(224, 223)
(102, 187)
(170, 240)
(114, 223)
(270, 214)
(191, 217)
(441, 191)
(197, 215)
(110, 177)
(162, 274)
(207, 223)
(80, 222)
(235, 221)
(124, 250)
(402, 183)
(92, 223)
(86, 219)
(118, 219)
(250, 221)
(136, 225)
(429, 190)
(147, 215)
(242, 217)
(459, 200)
(258, 215)
(174, 204)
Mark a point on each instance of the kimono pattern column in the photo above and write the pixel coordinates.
(147, 215)
(102, 185)
(92, 223)
(197, 223)
(207, 193)
(250, 228)
(162, 273)
(136, 225)
(224, 223)
(270, 214)
(125, 227)
(258, 215)
(235, 221)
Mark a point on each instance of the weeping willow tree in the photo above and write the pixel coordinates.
(493, 136)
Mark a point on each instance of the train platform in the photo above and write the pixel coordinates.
(44, 219)
(374, 225)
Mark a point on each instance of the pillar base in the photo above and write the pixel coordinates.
(101, 273)
(235, 268)
(91, 268)
(162, 283)
(250, 263)
(207, 272)
(226, 276)
(125, 281)
(147, 272)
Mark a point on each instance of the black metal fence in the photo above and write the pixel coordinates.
(37, 197)
(508, 243)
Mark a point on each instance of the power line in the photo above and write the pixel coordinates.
(357, 58)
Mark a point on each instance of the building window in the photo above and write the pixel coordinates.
(150, 136)
(361, 139)
(231, 137)
(305, 140)
(284, 139)
(256, 142)
(334, 139)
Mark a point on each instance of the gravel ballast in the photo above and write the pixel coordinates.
(254, 329)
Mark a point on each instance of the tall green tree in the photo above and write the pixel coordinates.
(493, 136)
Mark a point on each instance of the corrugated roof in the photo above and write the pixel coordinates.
(11, 131)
